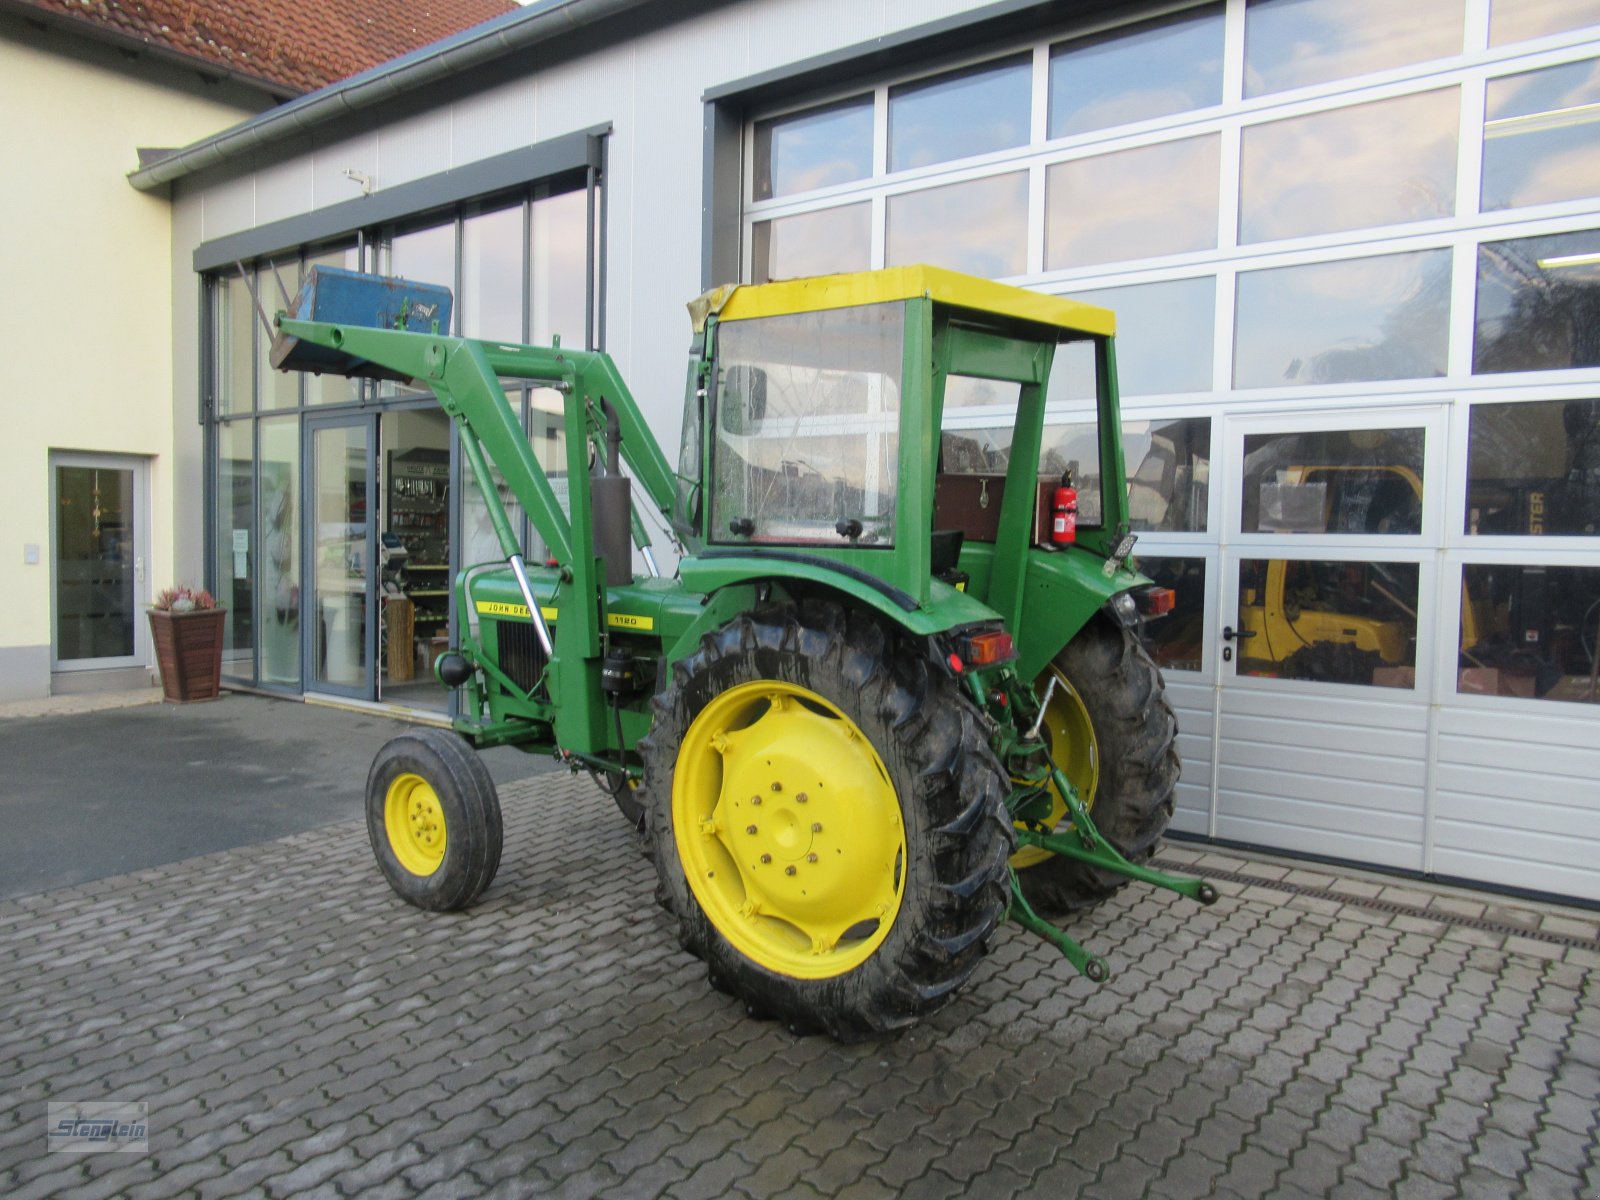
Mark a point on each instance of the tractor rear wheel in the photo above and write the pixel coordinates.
(434, 819)
(827, 820)
(1113, 734)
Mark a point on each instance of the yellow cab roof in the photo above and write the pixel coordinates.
(905, 283)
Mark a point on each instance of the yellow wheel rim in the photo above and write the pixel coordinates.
(1073, 746)
(414, 822)
(789, 830)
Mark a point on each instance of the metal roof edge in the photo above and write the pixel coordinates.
(446, 58)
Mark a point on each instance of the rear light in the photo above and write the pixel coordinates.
(986, 649)
(1155, 601)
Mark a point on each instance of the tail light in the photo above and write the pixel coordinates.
(1155, 601)
(986, 649)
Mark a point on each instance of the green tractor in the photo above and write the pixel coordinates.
(895, 671)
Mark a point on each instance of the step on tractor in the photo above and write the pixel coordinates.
(883, 703)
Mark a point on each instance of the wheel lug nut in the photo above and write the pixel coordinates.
(766, 858)
(789, 870)
(776, 786)
(755, 799)
(811, 857)
(749, 828)
(801, 798)
(816, 827)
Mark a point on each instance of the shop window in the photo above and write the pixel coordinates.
(1067, 446)
(1177, 640)
(1169, 473)
(425, 256)
(1366, 481)
(1533, 469)
(333, 389)
(1518, 20)
(558, 271)
(275, 389)
(1343, 322)
(937, 226)
(235, 551)
(1374, 164)
(1538, 304)
(1343, 621)
(1133, 204)
(1530, 631)
(1152, 71)
(813, 149)
(1298, 43)
(490, 303)
(1165, 334)
(280, 550)
(824, 242)
(969, 112)
(1541, 136)
(236, 329)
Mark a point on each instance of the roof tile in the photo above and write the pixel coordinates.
(300, 45)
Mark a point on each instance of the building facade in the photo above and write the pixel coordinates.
(1354, 249)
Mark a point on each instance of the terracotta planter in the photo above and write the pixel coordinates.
(189, 653)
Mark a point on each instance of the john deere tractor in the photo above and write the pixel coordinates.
(882, 704)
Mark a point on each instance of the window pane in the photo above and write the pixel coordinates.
(1329, 622)
(1169, 473)
(1141, 203)
(1534, 468)
(490, 304)
(807, 425)
(1067, 446)
(814, 149)
(1333, 481)
(275, 389)
(1518, 20)
(1530, 631)
(815, 243)
(980, 227)
(235, 551)
(1165, 332)
(1296, 43)
(1352, 168)
(333, 389)
(280, 545)
(1541, 136)
(426, 256)
(1177, 640)
(559, 274)
(1538, 304)
(1344, 322)
(236, 332)
(961, 114)
(1127, 76)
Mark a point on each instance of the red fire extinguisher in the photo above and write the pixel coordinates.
(1064, 510)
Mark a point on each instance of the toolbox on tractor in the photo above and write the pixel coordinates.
(885, 700)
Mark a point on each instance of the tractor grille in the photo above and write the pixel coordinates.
(519, 653)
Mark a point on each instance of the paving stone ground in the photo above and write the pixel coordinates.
(298, 1031)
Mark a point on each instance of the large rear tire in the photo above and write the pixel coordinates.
(434, 819)
(1114, 735)
(827, 820)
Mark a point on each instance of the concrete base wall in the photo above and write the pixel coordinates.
(24, 672)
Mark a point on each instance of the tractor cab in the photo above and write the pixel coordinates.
(914, 425)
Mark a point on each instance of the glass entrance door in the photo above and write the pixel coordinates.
(338, 625)
(98, 555)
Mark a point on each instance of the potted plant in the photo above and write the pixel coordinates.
(187, 627)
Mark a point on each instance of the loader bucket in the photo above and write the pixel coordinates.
(341, 297)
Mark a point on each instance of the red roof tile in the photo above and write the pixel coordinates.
(300, 45)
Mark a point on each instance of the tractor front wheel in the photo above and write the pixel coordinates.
(827, 820)
(434, 819)
(1113, 734)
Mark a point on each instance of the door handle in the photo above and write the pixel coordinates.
(1229, 633)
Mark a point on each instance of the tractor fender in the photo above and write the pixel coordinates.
(1061, 594)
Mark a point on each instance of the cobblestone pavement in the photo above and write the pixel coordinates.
(296, 1031)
